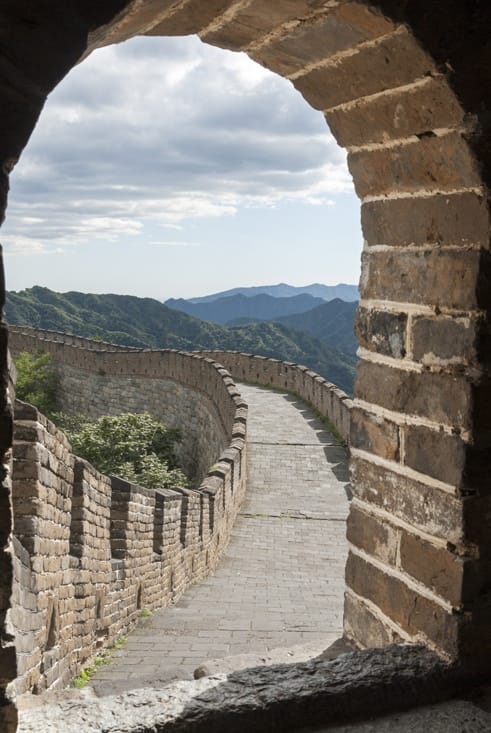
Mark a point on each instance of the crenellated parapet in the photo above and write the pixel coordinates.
(325, 397)
(91, 552)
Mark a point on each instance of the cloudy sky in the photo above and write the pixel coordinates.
(167, 168)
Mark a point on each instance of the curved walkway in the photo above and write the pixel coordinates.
(280, 581)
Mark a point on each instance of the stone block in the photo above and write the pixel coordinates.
(339, 29)
(374, 434)
(437, 568)
(430, 510)
(448, 219)
(443, 339)
(373, 535)
(413, 613)
(438, 278)
(257, 19)
(396, 116)
(439, 397)
(415, 166)
(435, 453)
(362, 625)
(395, 61)
(382, 331)
(188, 19)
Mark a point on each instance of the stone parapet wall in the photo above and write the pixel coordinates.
(18, 333)
(181, 390)
(90, 551)
(328, 399)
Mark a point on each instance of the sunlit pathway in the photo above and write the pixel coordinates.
(280, 581)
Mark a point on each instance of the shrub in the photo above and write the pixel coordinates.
(36, 382)
(136, 447)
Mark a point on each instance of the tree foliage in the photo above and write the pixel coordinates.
(36, 381)
(136, 447)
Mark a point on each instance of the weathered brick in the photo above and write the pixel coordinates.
(435, 453)
(382, 331)
(437, 568)
(449, 219)
(442, 398)
(397, 115)
(362, 625)
(393, 62)
(374, 434)
(439, 278)
(414, 613)
(432, 511)
(444, 339)
(374, 536)
(256, 20)
(339, 29)
(190, 19)
(422, 164)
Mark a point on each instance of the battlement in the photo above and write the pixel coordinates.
(92, 551)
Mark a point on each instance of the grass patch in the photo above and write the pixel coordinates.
(87, 673)
(119, 643)
(100, 660)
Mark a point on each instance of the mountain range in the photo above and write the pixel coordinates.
(282, 290)
(260, 307)
(147, 323)
(332, 323)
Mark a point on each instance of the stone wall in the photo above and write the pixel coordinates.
(329, 401)
(105, 379)
(91, 552)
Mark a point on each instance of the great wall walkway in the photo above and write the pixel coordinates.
(280, 581)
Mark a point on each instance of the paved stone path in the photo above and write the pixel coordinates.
(280, 581)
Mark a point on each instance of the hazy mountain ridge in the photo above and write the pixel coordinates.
(332, 323)
(257, 307)
(283, 290)
(145, 322)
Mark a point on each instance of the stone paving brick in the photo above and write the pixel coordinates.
(281, 580)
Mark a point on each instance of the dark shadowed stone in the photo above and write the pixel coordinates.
(353, 686)
(382, 331)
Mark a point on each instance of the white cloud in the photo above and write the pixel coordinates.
(27, 246)
(161, 132)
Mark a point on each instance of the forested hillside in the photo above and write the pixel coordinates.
(145, 322)
(257, 307)
(332, 323)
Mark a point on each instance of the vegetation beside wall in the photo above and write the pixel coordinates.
(135, 447)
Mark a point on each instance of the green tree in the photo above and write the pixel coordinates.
(136, 447)
(36, 382)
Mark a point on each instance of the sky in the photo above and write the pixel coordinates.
(164, 167)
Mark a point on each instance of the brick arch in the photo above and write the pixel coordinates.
(406, 89)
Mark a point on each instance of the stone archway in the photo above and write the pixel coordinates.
(406, 89)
